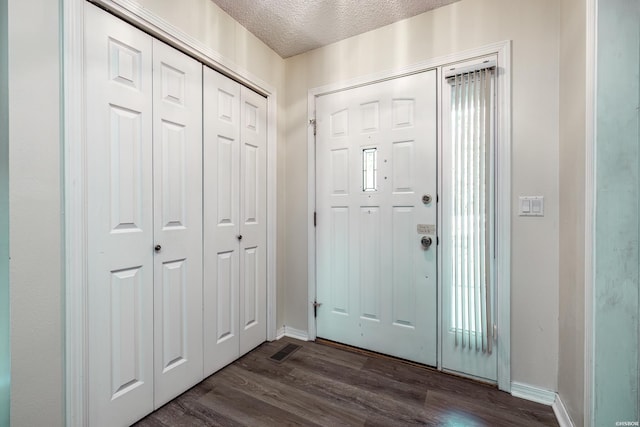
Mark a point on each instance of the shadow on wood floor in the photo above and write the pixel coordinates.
(321, 385)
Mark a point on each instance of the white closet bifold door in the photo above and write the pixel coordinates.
(234, 220)
(118, 66)
(253, 217)
(177, 184)
(221, 192)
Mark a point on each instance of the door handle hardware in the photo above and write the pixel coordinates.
(426, 242)
(158, 248)
(426, 199)
(239, 236)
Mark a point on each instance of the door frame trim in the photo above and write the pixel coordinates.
(503, 194)
(75, 174)
(590, 208)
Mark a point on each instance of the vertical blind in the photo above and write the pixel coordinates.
(471, 134)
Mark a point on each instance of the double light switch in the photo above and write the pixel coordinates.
(531, 205)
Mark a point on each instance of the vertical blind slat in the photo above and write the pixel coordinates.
(454, 126)
(487, 101)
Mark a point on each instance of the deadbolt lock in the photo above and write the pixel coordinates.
(426, 199)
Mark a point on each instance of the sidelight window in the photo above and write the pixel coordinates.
(470, 207)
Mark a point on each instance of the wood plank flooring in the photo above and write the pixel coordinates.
(321, 385)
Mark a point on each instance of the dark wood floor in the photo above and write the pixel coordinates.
(320, 385)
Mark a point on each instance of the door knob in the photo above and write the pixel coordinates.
(426, 242)
(157, 248)
(239, 236)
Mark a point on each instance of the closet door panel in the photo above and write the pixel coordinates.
(120, 220)
(177, 182)
(253, 214)
(221, 192)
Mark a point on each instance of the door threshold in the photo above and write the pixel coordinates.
(370, 353)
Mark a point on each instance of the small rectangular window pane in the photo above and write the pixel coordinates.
(369, 169)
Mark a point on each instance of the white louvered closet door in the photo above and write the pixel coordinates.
(468, 212)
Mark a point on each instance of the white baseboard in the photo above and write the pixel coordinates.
(533, 393)
(288, 331)
(561, 413)
(545, 397)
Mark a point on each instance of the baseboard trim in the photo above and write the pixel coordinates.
(561, 413)
(533, 393)
(288, 331)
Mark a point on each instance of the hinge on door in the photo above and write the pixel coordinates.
(316, 304)
(312, 122)
(315, 219)
(495, 332)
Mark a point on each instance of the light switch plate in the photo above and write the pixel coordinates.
(531, 205)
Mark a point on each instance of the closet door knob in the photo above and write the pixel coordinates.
(239, 236)
(157, 248)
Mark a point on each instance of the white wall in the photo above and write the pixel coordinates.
(534, 28)
(572, 220)
(209, 24)
(35, 192)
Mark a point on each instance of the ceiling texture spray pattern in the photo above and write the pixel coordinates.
(291, 27)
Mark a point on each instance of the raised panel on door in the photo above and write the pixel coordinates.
(336, 180)
(221, 192)
(253, 219)
(120, 220)
(376, 158)
(177, 183)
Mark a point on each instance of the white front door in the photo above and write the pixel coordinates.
(235, 220)
(376, 201)
(118, 66)
(177, 199)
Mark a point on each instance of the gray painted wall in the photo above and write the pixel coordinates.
(616, 379)
(5, 365)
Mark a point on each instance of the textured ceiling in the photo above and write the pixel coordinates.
(291, 27)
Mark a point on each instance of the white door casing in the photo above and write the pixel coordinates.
(118, 70)
(376, 283)
(177, 185)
